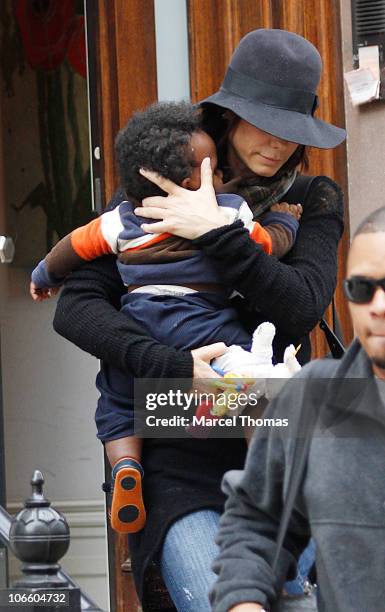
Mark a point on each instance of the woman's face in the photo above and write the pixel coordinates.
(251, 148)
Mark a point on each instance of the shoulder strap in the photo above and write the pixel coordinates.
(297, 193)
(300, 456)
(301, 452)
(335, 345)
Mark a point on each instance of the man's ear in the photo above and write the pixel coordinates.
(186, 182)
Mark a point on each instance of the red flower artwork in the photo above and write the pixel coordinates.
(53, 39)
(46, 28)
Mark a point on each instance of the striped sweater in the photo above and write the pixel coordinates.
(144, 258)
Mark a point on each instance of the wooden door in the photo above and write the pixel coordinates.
(122, 79)
(122, 60)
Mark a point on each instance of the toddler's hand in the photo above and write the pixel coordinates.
(39, 294)
(295, 210)
(229, 187)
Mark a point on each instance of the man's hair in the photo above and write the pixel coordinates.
(156, 139)
(373, 223)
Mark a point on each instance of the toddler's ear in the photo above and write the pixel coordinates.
(186, 183)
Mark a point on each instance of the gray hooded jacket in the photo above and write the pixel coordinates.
(341, 501)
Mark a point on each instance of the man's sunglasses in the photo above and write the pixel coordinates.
(361, 289)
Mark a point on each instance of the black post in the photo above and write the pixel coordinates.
(39, 536)
(87, 605)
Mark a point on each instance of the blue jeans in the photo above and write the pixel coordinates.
(188, 552)
(187, 555)
(305, 563)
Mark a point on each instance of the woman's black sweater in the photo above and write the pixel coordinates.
(182, 476)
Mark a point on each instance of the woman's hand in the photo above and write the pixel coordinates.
(201, 363)
(184, 213)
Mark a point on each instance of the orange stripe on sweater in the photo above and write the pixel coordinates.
(88, 241)
(262, 237)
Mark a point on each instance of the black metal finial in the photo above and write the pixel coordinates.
(39, 537)
(37, 498)
(37, 480)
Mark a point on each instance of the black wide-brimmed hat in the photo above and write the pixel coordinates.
(272, 82)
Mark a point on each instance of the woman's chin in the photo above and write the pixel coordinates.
(257, 167)
(264, 171)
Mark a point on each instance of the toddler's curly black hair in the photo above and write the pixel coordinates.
(156, 139)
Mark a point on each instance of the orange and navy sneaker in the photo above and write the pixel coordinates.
(127, 512)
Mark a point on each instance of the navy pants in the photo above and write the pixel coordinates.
(183, 322)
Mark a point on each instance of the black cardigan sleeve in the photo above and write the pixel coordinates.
(292, 293)
(87, 314)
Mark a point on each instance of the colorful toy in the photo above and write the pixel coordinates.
(248, 372)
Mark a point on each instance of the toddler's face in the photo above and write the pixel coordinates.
(203, 146)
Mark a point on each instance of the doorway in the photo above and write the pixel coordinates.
(45, 187)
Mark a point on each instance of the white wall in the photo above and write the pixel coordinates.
(49, 401)
(365, 142)
(172, 63)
